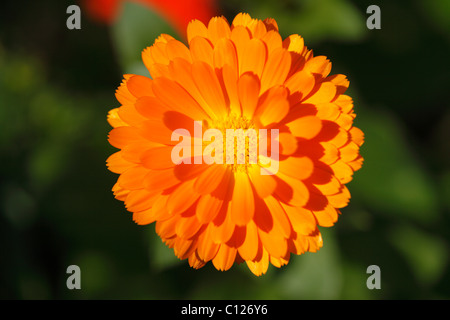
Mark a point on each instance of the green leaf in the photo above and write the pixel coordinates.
(137, 28)
(97, 273)
(438, 12)
(315, 20)
(426, 253)
(392, 180)
(315, 275)
(161, 256)
(329, 19)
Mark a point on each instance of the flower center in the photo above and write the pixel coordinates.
(240, 141)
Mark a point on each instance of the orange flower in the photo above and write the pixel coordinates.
(243, 76)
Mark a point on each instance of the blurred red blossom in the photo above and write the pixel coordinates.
(177, 12)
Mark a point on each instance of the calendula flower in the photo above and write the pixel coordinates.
(173, 134)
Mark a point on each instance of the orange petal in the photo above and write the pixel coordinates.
(133, 151)
(345, 121)
(156, 131)
(159, 209)
(224, 258)
(326, 217)
(140, 86)
(302, 220)
(223, 226)
(340, 81)
(117, 164)
(294, 43)
(242, 203)
(344, 102)
(230, 79)
(341, 138)
(318, 65)
(325, 181)
(279, 215)
(130, 116)
(158, 70)
(225, 53)
(185, 171)
(279, 262)
(328, 111)
(315, 242)
(242, 19)
(166, 228)
(122, 136)
(357, 135)
(342, 171)
(301, 82)
(249, 248)
(340, 200)
(187, 227)
(119, 192)
(259, 267)
(238, 237)
(123, 95)
(144, 217)
(183, 247)
(151, 107)
(158, 158)
(196, 28)
(195, 261)
(114, 119)
(264, 184)
(272, 40)
(357, 163)
(177, 98)
(349, 152)
(252, 57)
(201, 50)
(299, 168)
(177, 49)
(248, 91)
(291, 191)
(209, 86)
(240, 37)
(258, 29)
(288, 143)
(218, 28)
(157, 52)
(274, 243)
(156, 180)
(305, 127)
(209, 179)
(330, 153)
(133, 178)
(276, 69)
(325, 93)
(181, 72)
(207, 249)
(299, 244)
(182, 198)
(273, 106)
(140, 200)
(208, 207)
(271, 24)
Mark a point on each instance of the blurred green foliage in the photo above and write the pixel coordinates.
(57, 209)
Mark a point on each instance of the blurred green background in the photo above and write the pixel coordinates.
(56, 204)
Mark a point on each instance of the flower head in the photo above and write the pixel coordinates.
(211, 205)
